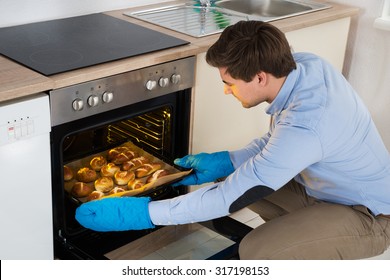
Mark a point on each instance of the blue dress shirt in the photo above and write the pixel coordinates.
(322, 135)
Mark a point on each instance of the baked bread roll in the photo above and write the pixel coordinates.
(104, 184)
(109, 169)
(124, 156)
(147, 169)
(123, 177)
(135, 184)
(134, 163)
(68, 173)
(116, 190)
(116, 151)
(157, 174)
(95, 195)
(86, 175)
(97, 162)
(81, 189)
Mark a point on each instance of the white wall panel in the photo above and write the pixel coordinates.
(15, 12)
(367, 62)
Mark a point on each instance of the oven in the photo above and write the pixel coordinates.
(147, 110)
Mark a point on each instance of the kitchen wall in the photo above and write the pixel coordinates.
(15, 12)
(367, 64)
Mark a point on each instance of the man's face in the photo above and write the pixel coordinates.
(248, 93)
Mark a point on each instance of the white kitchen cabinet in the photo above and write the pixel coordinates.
(220, 122)
(328, 40)
(25, 201)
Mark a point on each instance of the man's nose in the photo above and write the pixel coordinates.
(227, 90)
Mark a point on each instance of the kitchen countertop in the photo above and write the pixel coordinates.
(18, 81)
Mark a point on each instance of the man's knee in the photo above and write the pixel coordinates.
(252, 248)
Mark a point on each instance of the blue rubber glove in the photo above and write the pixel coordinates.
(207, 167)
(115, 214)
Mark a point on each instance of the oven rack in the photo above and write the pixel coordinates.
(149, 129)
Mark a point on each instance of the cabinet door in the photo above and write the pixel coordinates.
(328, 40)
(221, 123)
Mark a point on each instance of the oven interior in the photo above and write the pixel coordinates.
(158, 126)
(150, 131)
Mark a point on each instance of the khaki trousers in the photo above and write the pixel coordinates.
(303, 228)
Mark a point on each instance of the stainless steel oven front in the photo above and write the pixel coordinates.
(149, 108)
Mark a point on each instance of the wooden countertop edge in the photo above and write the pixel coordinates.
(18, 81)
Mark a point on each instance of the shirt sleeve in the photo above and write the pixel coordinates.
(288, 151)
(238, 157)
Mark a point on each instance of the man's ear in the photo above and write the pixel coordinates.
(262, 78)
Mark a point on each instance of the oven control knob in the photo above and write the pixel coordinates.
(163, 82)
(107, 97)
(175, 79)
(93, 100)
(78, 104)
(151, 85)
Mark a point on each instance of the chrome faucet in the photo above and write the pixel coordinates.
(205, 3)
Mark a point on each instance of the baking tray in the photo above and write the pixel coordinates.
(173, 176)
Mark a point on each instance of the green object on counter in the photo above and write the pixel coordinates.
(219, 18)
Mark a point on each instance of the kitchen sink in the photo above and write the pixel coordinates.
(196, 20)
(269, 8)
(189, 19)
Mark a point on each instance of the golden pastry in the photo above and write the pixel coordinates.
(104, 184)
(81, 189)
(123, 177)
(109, 169)
(147, 169)
(97, 162)
(86, 175)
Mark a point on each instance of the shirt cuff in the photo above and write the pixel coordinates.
(159, 212)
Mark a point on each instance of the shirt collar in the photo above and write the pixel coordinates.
(284, 94)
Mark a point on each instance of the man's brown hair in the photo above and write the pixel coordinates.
(249, 47)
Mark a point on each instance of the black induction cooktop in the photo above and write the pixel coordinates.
(57, 46)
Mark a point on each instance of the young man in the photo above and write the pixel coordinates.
(320, 177)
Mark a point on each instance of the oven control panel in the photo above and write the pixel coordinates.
(98, 96)
(163, 82)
